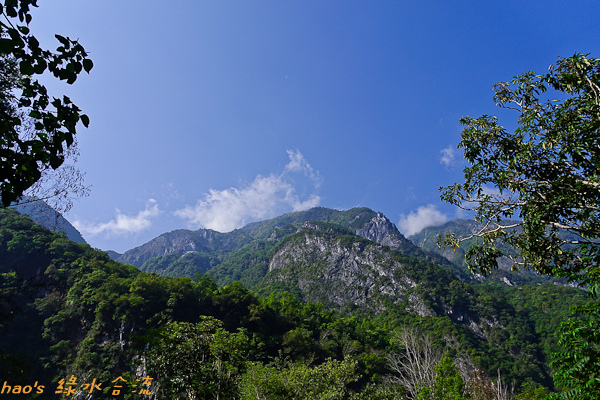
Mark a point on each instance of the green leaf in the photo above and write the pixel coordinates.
(77, 66)
(6, 45)
(63, 40)
(33, 42)
(88, 65)
(41, 66)
(85, 120)
(26, 68)
(11, 11)
(56, 162)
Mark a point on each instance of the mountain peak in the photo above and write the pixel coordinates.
(42, 214)
(381, 230)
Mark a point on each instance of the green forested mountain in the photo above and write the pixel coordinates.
(427, 240)
(327, 306)
(241, 255)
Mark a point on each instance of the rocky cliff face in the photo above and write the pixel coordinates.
(381, 230)
(179, 241)
(342, 271)
(346, 272)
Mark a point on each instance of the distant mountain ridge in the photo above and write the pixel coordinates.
(41, 213)
(427, 240)
(244, 254)
(183, 241)
(363, 222)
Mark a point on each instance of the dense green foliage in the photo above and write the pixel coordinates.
(578, 364)
(547, 172)
(88, 306)
(25, 101)
(449, 385)
(331, 380)
(174, 264)
(427, 239)
(201, 358)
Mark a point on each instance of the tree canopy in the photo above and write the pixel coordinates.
(26, 101)
(547, 174)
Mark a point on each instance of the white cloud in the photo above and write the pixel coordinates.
(486, 191)
(425, 216)
(265, 197)
(460, 213)
(298, 163)
(311, 202)
(122, 224)
(448, 156)
(490, 191)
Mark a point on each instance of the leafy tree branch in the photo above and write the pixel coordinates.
(23, 100)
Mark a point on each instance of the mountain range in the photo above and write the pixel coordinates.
(354, 263)
(185, 252)
(246, 254)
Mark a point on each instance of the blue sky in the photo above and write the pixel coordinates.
(218, 113)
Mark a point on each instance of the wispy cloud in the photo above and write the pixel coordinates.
(122, 224)
(448, 156)
(299, 164)
(490, 191)
(425, 216)
(265, 197)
